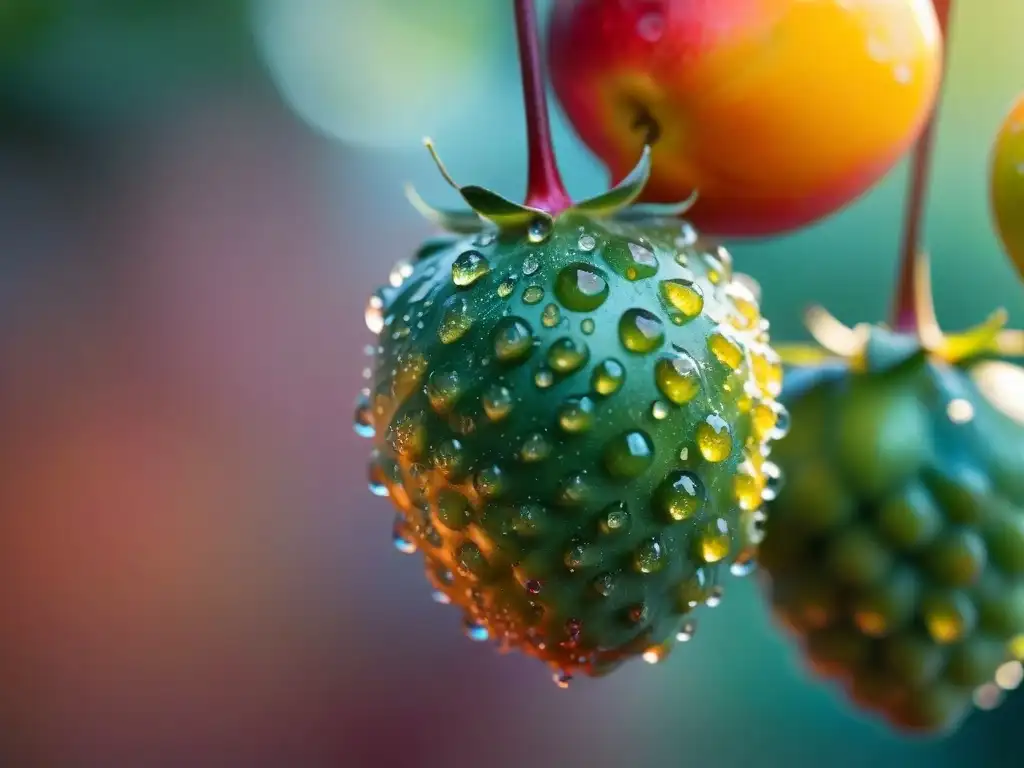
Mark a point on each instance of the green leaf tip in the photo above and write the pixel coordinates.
(458, 222)
(489, 205)
(623, 194)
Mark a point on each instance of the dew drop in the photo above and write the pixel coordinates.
(725, 350)
(629, 455)
(781, 422)
(533, 294)
(686, 632)
(535, 448)
(714, 540)
(448, 456)
(469, 267)
(677, 378)
(659, 410)
(362, 422)
(506, 286)
(543, 378)
(608, 377)
(632, 260)
(484, 239)
(581, 287)
(533, 586)
(376, 477)
(497, 402)
(681, 495)
(440, 597)
(539, 231)
(513, 340)
(530, 265)
(401, 538)
(587, 325)
(443, 389)
(455, 320)
(452, 509)
(400, 273)
(586, 243)
(476, 632)
(773, 481)
(489, 482)
(683, 299)
(615, 518)
(375, 314)
(562, 679)
(576, 415)
(714, 438)
(641, 331)
(650, 556)
(743, 567)
(567, 355)
(551, 316)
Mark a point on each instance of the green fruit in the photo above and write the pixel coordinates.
(571, 414)
(896, 552)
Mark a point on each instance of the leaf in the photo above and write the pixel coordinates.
(660, 210)
(837, 338)
(976, 341)
(1010, 343)
(805, 355)
(459, 222)
(624, 193)
(490, 205)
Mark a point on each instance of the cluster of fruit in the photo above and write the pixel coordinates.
(578, 411)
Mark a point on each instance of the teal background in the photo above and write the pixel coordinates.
(196, 200)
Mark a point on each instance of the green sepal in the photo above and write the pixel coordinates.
(624, 194)
(504, 213)
(659, 210)
(458, 222)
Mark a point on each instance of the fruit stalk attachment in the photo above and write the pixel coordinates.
(908, 315)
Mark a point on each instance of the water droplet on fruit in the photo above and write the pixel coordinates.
(455, 320)
(677, 377)
(375, 477)
(747, 314)
(401, 538)
(489, 482)
(714, 599)
(744, 566)
(615, 518)
(476, 632)
(683, 299)
(513, 339)
(650, 556)
(452, 509)
(497, 402)
(714, 438)
(747, 487)
(587, 243)
(725, 350)
(539, 231)
(471, 560)
(533, 294)
(400, 273)
(440, 597)
(469, 267)
(535, 448)
(562, 679)
(484, 239)
(407, 434)
(773, 481)
(551, 316)
(443, 389)
(375, 313)
(567, 355)
(714, 540)
(543, 378)
(448, 456)
(781, 422)
(506, 286)
(641, 331)
(587, 325)
(533, 586)
(686, 632)
(362, 422)
(687, 235)
(681, 495)
(576, 415)
(632, 260)
(659, 410)
(581, 287)
(608, 377)
(574, 489)
(629, 455)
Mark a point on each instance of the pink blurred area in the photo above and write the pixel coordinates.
(189, 557)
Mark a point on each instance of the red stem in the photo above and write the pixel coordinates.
(905, 309)
(544, 189)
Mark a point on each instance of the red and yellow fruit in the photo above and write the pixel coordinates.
(778, 112)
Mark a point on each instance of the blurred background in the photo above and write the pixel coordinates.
(196, 199)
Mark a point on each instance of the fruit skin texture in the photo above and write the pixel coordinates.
(1007, 184)
(517, 431)
(896, 550)
(778, 112)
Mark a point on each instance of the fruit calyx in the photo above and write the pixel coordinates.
(864, 344)
(546, 198)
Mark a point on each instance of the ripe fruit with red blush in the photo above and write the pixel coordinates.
(1007, 184)
(778, 112)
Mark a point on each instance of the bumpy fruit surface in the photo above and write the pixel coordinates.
(896, 549)
(572, 421)
(778, 111)
(1007, 184)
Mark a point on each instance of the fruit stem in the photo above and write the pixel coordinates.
(905, 311)
(544, 189)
